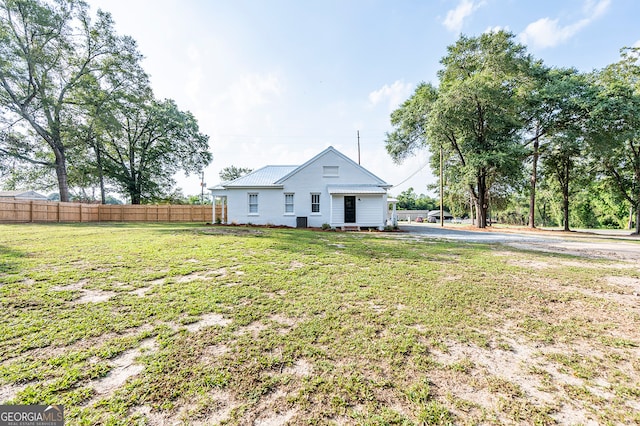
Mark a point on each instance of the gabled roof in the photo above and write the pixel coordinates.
(27, 195)
(339, 154)
(264, 177)
(275, 176)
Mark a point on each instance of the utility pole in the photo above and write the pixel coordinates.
(441, 189)
(358, 147)
(202, 188)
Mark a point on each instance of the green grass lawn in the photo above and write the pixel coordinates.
(192, 324)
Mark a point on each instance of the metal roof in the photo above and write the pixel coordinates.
(28, 195)
(275, 177)
(436, 213)
(356, 189)
(263, 177)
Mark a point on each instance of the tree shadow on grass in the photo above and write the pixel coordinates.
(9, 259)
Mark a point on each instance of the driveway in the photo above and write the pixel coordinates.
(614, 245)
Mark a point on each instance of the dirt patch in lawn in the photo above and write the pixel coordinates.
(629, 283)
(208, 320)
(617, 250)
(124, 367)
(86, 295)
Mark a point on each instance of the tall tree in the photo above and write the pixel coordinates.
(614, 136)
(563, 160)
(476, 115)
(232, 172)
(559, 108)
(102, 100)
(544, 115)
(153, 141)
(47, 52)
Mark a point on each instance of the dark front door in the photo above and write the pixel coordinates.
(349, 209)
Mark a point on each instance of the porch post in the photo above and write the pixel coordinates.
(394, 217)
(224, 210)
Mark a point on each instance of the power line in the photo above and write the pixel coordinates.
(412, 174)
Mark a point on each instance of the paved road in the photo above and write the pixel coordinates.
(610, 245)
(435, 231)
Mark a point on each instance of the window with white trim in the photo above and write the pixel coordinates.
(253, 203)
(315, 203)
(288, 203)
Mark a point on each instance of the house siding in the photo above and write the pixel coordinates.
(368, 210)
(270, 207)
(311, 178)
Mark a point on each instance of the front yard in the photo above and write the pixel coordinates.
(175, 323)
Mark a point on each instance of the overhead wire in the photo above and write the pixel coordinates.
(412, 174)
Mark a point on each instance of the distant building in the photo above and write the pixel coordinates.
(434, 216)
(22, 195)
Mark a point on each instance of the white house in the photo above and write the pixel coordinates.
(22, 195)
(329, 189)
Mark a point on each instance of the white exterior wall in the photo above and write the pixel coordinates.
(270, 207)
(310, 179)
(370, 210)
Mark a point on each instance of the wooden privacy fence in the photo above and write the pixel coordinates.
(21, 211)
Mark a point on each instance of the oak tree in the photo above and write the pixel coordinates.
(47, 52)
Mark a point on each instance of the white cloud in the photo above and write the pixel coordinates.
(455, 17)
(594, 9)
(547, 32)
(394, 94)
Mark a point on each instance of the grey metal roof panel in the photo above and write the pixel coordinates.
(29, 195)
(356, 189)
(263, 177)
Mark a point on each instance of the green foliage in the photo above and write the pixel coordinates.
(155, 141)
(614, 128)
(50, 52)
(409, 200)
(79, 106)
(232, 172)
(495, 107)
(475, 116)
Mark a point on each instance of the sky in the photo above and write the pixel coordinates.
(275, 82)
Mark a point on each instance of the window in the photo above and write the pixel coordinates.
(330, 171)
(253, 203)
(288, 203)
(315, 203)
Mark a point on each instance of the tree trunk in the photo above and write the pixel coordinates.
(565, 211)
(103, 198)
(637, 219)
(565, 197)
(135, 197)
(534, 179)
(472, 203)
(481, 202)
(61, 174)
(134, 191)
